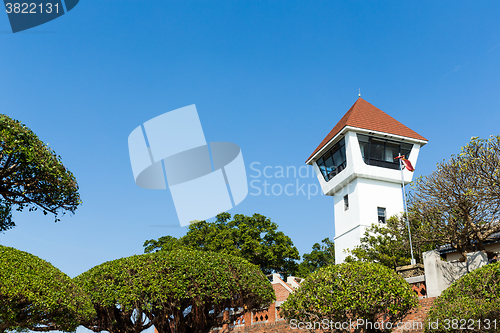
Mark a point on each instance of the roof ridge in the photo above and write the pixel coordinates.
(364, 115)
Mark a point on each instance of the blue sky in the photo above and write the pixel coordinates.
(272, 76)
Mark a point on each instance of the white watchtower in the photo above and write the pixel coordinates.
(355, 164)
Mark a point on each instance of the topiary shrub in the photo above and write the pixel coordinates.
(37, 296)
(470, 304)
(183, 290)
(350, 296)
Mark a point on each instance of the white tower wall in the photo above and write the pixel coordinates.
(365, 196)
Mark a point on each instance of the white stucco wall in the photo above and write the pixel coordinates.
(440, 274)
(348, 240)
(365, 196)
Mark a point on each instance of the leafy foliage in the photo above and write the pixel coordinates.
(6, 222)
(254, 238)
(320, 256)
(117, 291)
(351, 291)
(459, 203)
(389, 244)
(472, 302)
(37, 296)
(165, 243)
(32, 175)
(182, 290)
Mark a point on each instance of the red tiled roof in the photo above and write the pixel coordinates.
(366, 116)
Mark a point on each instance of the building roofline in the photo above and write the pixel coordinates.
(347, 128)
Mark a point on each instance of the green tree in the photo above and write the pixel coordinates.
(165, 243)
(254, 238)
(31, 175)
(118, 291)
(359, 292)
(37, 296)
(472, 302)
(320, 256)
(459, 203)
(181, 290)
(389, 243)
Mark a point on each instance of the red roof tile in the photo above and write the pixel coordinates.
(366, 116)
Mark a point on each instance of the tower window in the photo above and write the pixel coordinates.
(382, 152)
(333, 161)
(346, 202)
(381, 214)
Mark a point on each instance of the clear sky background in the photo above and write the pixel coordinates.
(273, 77)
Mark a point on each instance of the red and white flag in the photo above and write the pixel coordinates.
(406, 163)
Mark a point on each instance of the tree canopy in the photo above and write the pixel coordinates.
(254, 238)
(117, 291)
(165, 243)
(459, 203)
(321, 255)
(358, 292)
(389, 243)
(183, 290)
(31, 175)
(37, 296)
(471, 303)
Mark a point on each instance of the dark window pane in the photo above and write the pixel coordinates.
(381, 214)
(329, 165)
(391, 151)
(337, 158)
(381, 152)
(342, 149)
(377, 150)
(333, 160)
(342, 152)
(406, 149)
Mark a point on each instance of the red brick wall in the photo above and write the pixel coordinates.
(416, 316)
(276, 327)
(419, 288)
(281, 292)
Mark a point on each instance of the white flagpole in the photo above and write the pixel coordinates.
(413, 261)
